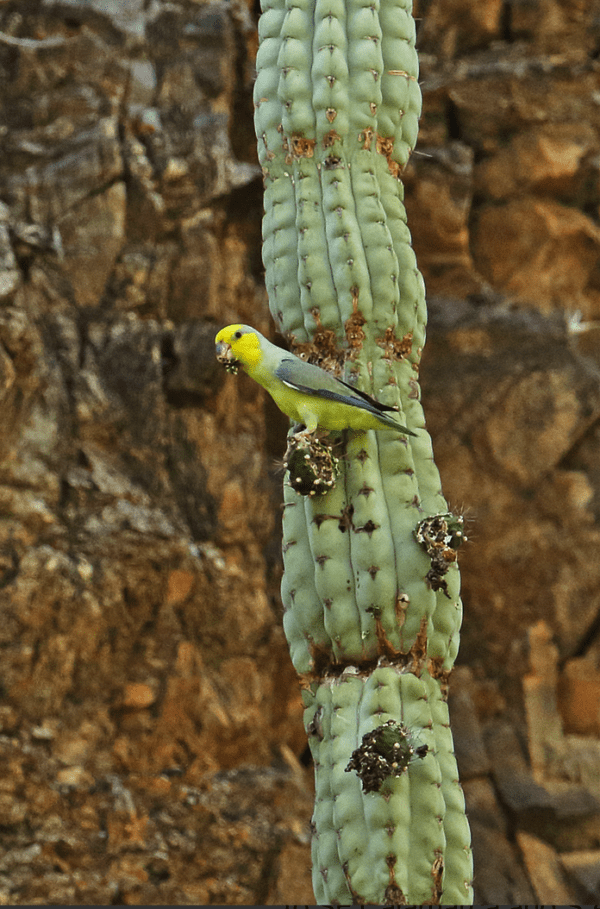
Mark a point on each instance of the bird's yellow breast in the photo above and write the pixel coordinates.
(314, 411)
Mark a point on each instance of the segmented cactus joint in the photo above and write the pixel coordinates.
(385, 752)
(311, 465)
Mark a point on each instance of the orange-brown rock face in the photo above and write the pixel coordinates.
(150, 724)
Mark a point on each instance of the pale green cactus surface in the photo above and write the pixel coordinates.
(371, 635)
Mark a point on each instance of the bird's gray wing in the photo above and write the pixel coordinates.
(312, 380)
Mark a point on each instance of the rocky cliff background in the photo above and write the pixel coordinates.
(151, 743)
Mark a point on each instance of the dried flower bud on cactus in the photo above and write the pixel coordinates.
(311, 464)
(385, 752)
(441, 536)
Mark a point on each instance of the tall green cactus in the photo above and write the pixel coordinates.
(371, 587)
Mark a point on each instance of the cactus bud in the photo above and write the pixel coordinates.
(386, 751)
(311, 464)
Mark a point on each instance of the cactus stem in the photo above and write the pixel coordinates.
(366, 650)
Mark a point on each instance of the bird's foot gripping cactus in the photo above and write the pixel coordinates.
(372, 627)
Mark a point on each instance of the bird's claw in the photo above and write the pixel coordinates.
(300, 431)
(306, 434)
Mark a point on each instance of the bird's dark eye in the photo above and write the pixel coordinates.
(237, 335)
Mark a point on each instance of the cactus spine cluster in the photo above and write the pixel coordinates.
(337, 104)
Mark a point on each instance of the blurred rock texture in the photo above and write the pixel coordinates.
(151, 744)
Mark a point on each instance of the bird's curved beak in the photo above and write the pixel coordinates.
(223, 351)
(225, 356)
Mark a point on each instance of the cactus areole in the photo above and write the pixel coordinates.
(370, 591)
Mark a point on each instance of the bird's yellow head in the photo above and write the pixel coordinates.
(238, 345)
